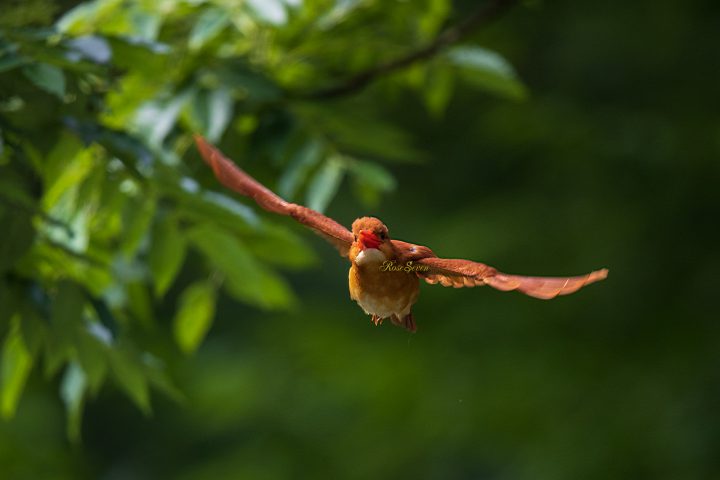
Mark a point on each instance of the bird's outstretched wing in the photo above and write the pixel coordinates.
(235, 179)
(466, 273)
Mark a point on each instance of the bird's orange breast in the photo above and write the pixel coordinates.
(383, 293)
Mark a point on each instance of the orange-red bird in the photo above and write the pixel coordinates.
(384, 273)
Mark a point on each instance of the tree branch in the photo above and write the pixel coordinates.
(488, 12)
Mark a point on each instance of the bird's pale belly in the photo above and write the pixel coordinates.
(383, 293)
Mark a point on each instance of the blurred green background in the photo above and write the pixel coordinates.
(156, 326)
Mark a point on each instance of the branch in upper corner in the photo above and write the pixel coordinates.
(485, 14)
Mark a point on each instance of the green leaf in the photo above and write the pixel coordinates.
(32, 328)
(373, 174)
(60, 158)
(246, 279)
(206, 205)
(338, 13)
(13, 247)
(155, 119)
(279, 245)
(56, 354)
(370, 180)
(137, 217)
(247, 82)
(92, 356)
(167, 254)
(195, 312)
(15, 368)
(79, 19)
(140, 303)
(271, 11)
(325, 184)
(302, 162)
(158, 378)
(65, 319)
(130, 376)
(438, 89)
(210, 23)
(488, 70)
(211, 111)
(364, 132)
(67, 166)
(67, 311)
(47, 77)
(8, 62)
(72, 391)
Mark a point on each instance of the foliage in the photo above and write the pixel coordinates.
(99, 181)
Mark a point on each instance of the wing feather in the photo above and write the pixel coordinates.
(231, 176)
(460, 273)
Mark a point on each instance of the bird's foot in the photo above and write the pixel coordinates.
(376, 320)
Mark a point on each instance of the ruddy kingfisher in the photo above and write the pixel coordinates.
(385, 274)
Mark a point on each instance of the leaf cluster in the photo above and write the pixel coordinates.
(104, 202)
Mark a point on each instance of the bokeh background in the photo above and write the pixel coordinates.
(182, 333)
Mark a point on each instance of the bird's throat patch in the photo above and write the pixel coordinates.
(370, 256)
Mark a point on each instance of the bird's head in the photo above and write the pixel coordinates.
(371, 236)
(369, 232)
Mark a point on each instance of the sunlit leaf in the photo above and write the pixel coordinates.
(325, 184)
(137, 219)
(207, 205)
(78, 19)
(167, 253)
(488, 70)
(245, 278)
(211, 22)
(91, 47)
(338, 13)
(271, 11)
(211, 111)
(155, 119)
(67, 165)
(15, 368)
(72, 391)
(195, 312)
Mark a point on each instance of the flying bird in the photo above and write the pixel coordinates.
(385, 274)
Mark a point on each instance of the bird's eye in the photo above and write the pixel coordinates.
(355, 237)
(382, 235)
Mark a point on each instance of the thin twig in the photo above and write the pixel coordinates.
(485, 14)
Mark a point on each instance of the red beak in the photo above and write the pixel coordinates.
(369, 239)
